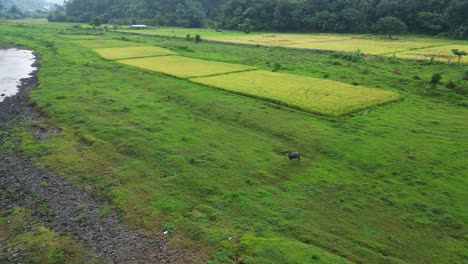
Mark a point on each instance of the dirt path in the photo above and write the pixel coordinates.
(72, 210)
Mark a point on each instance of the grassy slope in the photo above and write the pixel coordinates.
(207, 165)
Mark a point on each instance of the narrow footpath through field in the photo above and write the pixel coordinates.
(104, 237)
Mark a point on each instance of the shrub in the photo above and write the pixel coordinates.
(276, 67)
(393, 59)
(451, 85)
(435, 79)
(354, 56)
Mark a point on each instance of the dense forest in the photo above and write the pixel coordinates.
(18, 9)
(356, 16)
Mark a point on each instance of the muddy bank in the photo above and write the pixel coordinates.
(71, 210)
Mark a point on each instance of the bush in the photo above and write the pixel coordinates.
(451, 85)
(354, 56)
(435, 79)
(198, 38)
(276, 67)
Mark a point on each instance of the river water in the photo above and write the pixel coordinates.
(15, 64)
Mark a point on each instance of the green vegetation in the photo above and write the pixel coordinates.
(459, 53)
(383, 186)
(342, 16)
(390, 25)
(106, 43)
(22, 233)
(314, 95)
(182, 32)
(96, 23)
(132, 52)
(18, 9)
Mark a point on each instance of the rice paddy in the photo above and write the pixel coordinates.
(132, 52)
(442, 53)
(373, 45)
(185, 67)
(314, 95)
(283, 39)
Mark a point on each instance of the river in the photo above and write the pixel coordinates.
(15, 64)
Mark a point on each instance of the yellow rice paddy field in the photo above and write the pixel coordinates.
(132, 52)
(442, 53)
(283, 39)
(185, 67)
(313, 95)
(369, 45)
(377, 47)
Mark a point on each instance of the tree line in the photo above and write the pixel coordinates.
(19, 9)
(343, 16)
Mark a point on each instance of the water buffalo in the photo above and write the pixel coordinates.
(294, 155)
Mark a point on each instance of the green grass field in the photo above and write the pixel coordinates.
(132, 52)
(105, 43)
(386, 186)
(184, 67)
(314, 95)
(182, 32)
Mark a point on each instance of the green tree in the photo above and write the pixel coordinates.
(390, 25)
(459, 54)
(246, 27)
(96, 22)
(456, 18)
